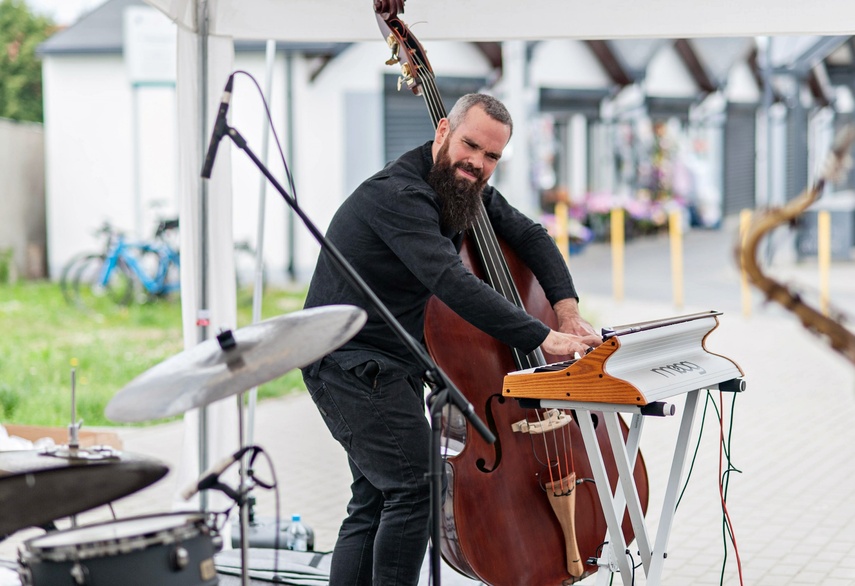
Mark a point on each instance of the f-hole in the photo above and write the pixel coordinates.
(480, 463)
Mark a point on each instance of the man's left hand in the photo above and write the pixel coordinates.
(569, 320)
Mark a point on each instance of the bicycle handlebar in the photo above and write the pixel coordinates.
(165, 226)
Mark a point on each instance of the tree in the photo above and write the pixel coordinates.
(20, 69)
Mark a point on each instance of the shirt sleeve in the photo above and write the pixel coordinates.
(408, 222)
(534, 246)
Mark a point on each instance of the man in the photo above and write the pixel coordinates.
(401, 230)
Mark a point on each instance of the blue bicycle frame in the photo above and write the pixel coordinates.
(128, 254)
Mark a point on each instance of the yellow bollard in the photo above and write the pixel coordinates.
(561, 230)
(823, 257)
(744, 223)
(618, 241)
(675, 232)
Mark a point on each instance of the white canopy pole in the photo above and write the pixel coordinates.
(206, 244)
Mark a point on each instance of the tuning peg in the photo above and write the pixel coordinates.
(392, 42)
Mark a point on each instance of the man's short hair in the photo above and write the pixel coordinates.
(493, 107)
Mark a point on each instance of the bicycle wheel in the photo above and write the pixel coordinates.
(162, 267)
(90, 289)
(66, 278)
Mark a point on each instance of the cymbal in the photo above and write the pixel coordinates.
(235, 362)
(37, 486)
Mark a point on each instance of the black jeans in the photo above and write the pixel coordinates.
(378, 415)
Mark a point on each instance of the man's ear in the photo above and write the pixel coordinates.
(442, 129)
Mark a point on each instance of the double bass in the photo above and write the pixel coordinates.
(523, 510)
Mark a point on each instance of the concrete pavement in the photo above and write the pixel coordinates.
(793, 438)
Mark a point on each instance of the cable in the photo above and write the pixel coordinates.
(272, 485)
(724, 481)
(632, 565)
(241, 494)
(293, 193)
(695, 453)
(724, 475)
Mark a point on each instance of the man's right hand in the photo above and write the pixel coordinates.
(561, 344)
(387, 8)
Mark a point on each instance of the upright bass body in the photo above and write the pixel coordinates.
(497, 523)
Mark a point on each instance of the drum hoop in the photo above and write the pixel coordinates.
(109, 546)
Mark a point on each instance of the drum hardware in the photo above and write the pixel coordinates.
(78, 574)
(74, 426)
(91, 453)
(180, 558)
(73, 449)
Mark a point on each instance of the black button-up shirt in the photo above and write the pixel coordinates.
(389, 229)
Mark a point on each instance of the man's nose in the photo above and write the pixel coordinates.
(477, 160)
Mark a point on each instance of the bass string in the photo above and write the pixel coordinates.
(499, 276)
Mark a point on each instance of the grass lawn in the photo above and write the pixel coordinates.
(43, 338)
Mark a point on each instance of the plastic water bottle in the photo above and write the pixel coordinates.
(298, 535)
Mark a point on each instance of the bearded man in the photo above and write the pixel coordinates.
(402, 230)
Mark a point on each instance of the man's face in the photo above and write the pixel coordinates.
(475, 146)
(463, 162)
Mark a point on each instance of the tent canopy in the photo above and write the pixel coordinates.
(492, 20)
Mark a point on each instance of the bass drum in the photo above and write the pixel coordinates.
(168, 550)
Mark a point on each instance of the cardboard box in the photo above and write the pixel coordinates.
(59, 435)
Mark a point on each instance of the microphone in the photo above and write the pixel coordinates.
(211, 476)
(220, 127)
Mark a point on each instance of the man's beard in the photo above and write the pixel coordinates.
(459, 197)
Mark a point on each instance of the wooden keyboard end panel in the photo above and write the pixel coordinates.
(584, 380)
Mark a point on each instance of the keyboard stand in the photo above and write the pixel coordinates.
(614, 558)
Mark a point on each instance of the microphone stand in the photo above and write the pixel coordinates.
(443, 391)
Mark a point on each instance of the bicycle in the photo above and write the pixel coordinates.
(73, 266)
(126, 269)
(148, 268)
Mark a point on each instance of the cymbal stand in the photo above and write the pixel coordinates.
(74, 428)
(72, 450)
(243, 505)
(228, 343)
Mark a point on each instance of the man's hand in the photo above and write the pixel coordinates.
(569, 320)
(388, 8)
(561, 344)
(574, 333)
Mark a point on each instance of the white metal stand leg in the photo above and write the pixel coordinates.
(625, 461)
(616, 544)
(626, 495)
(669, 504)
